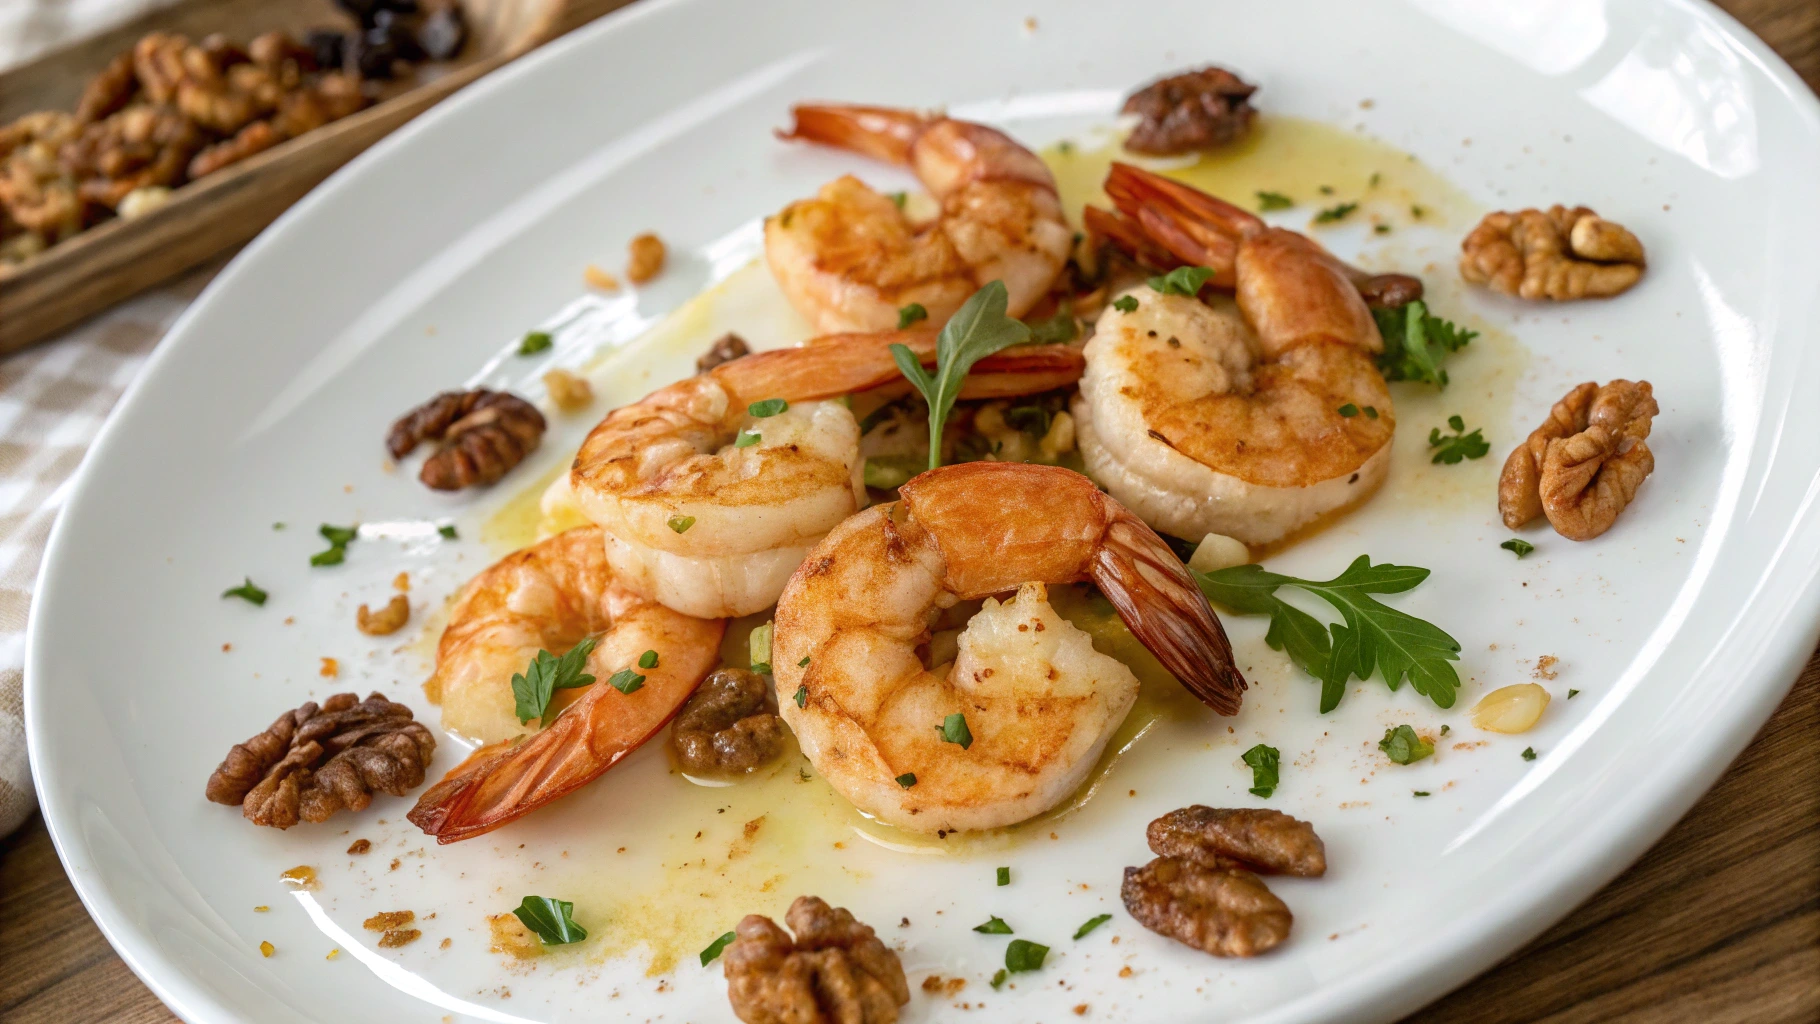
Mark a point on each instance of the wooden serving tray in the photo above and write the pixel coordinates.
(119, 257)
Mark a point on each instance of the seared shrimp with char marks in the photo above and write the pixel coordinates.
(711, 490)
(550, 597)
(1038, 702)
(850, 258)
(1249, 418)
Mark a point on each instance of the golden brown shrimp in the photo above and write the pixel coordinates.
(550, 597)
(850, 258)
(1247, 418)
(1035, 702)
(708, 507)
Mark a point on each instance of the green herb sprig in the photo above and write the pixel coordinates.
(1518, 546)
(1415, 343)
(247, 592)
(1183, 281)
(1451, 448)
(1092, 923)
(1335, 213)
(1403, 746)
(1264, 762)
(552, 919)
(954, 730)
(994, 925)
(1024, 955)
(715, 948)
(1268, 201)
(339, 537)
(547, 673)
(978, 329)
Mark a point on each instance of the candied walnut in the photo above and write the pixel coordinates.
(725, 349)
(386, 920)
(484, 434)
(110, 90)
(1223, 911)
(317, 760)
(139, 147)
(1557, 254)
(1195, 110)
(387, 620)
(1583, 465)
(1269, 842)
(330, 98)
(728, 724)
(570, 391)
(254, 138)
(835, 969)
(37, 190)
(645, 258)
(274, 49)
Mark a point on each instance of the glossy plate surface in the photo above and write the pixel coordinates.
(417, 267)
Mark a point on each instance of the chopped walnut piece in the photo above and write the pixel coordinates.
(484, 434)
(1223, 911)
(1557, 254)
(1263, 840)
(725, 349)
(359, 846)
(386, 920)
(399, 937)
(728, 724)
(1583, 465)
(254, 138)
(110, 90)
(835, 969)
(1195, 110)
(316, 760)
(645, 258)
(570, 391)
(387, 620)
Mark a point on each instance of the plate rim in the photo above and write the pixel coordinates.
(1568, 876)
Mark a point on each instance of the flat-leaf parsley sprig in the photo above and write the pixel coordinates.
(1415, 343)
(978, 329)
(1374, 636)
(547, 673)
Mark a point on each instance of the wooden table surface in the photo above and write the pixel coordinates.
(1719, 923)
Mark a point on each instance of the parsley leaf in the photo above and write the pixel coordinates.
(626, 681)
(907, 780)
(1268, 201)
(1423, 792)
(1529, 753)
(954, 730)
(768, 407)
(1125, 303)
(1184, 281)
(802, 696)
(1518, 546)
(1349, 410)
(246, 592)
(532, 689)
(552, 919)
(534, 342)
(647, 660)
(1403, 746)
(1335, 213)
(1024, 955)
(803, 663)
(994, 926)
(998, 979)
(714, 949)
(339, 537)
(911, 314)
(1415, 343)
(747, 438)
(1092, 923)
(977, 330)
(1451, 448)
(1055, 330)
(1571, 694)
(1373, 636)
(1264, 762)
(899, 198)
(447, 530)
(681, 524)
(1004, 876)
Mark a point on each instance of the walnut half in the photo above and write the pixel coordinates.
(1583, 465)
(1557, 254)
(483, 433)
(834, 970)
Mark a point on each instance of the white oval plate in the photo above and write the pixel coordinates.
(414, 268)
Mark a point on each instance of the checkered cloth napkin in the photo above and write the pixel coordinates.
(53, 399)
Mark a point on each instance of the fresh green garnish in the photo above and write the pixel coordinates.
(1264, 762)
(1403, 746)
(1334, 213)
(802, 696)
(1372, 182)
(954, 730)
(1371, 412)
(1349, 410)
(768, 407)
(1415, 343)
(1268, 201)
(448, 532)
(977, 330)
(1055, 330)
(647, 660)
(998, 979)
(1327, 190)
(911, 314)
(1416, 211)
(277, 526)
(339, 537)
(1529, 753)
(803, 663)
(993, 926)
(1125, 303)
(534, 342)
(1445, 729)
(1451, 448)
(681, 524)
(1004, 876)
(1571, 694)
(1092, 923)
(758, 648)
(1422, 792)
(900, 198)
(247, 592)
(1373, 636)
(553, 920)
(626, 681)
(335, 555)
(1382, 229)
(547, 673)
(1518, 546)
(747, 438)
(1184, 281)
(1024, 955)
(714, 949)
(889, 472)
(907, 780)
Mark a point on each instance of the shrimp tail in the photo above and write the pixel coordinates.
(883, 133)
(1159, 601)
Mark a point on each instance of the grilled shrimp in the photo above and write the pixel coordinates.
(850, 258)
(1033, 703)
(1248, 418)
(551, 596)
(708, 506)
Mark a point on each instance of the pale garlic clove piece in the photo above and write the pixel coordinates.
(1218, 551)
(1510, 709)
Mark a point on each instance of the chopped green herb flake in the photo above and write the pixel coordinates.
(448, 532)
(1374, 179)
(802, 696)
(1371, 412)
(1417, 212)
(900, 198)
(1422, 792)
(747, 438)
(339, 535)
(277, 526)
(1125, 303)
(1415, 343)
(1335, 213)
(553, 920)
(1445, 729)
(1571, 694)
(714, 949)
(1092, 923)
(907, 779)
(1004, 876)
(1024, 955)
(993, 926)
(768, 407)
(547, 673)
(1382, 229)
(1529, 753)
(803, 663)
(246, 592)
(333, 556)
(910, 314)
(1184, 281)
(681, 524)
(1518, 546)
(978, 329)
(1403, 746)
(647, 660)
(1268, 201)
(1451, 448)
(763, 668)
(954, 730)
(1264, 762)
(1349, 410)
(534, 342)
(998, 979)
